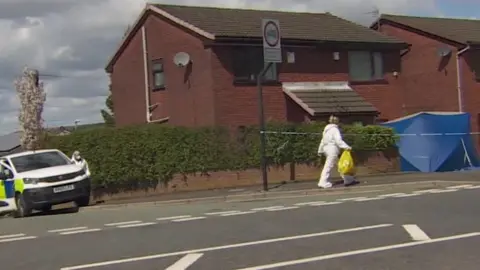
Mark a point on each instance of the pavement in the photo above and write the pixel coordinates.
(291, 187)
(421, 225)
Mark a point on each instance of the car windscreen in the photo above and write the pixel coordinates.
(39, 161)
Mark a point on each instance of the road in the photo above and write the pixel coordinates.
(414, 226)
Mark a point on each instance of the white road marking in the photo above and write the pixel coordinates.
(239, 213)
(359, 251)
(416, 233)
(325, 203)
(408, 195)
(460, 186)
(370, 199)
(474, 187)
(137, 225)
(444, 190)
(267, 208)
(351, 199)
(221, 213)
(188, 219)
(185, 262)
(284, 208)
(123, 223)
(80, 231)
(331, 193)
(244, 244)
(392, 195)
(426, 191)
(307, 203)
(174, 217)
(12, 235)
(17, 239)
(67, 229)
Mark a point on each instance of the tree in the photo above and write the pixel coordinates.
(32, 99)
(108, 116)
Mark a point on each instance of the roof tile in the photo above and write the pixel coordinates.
(328, 97)
(227, 22)
(458, 30)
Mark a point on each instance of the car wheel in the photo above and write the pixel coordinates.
(23, 209)
(83, 201)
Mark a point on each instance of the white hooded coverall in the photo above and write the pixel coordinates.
(81, 162)
(330, 146)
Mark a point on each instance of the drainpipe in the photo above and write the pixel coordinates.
(145, 71)
(147, 84)
(459, 79)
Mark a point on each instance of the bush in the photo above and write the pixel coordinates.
(144, 156)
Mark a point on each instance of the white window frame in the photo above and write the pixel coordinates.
(158, 71)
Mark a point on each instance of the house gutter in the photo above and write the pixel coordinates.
(459, 79)
(147, 85)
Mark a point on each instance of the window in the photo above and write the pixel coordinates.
(38, 161)
(6, 162)
(6, 171)
(248, 62)
(158, 74)
(365, 66)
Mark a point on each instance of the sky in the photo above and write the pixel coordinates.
(70, 42)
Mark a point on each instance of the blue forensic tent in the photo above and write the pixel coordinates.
(435, 142)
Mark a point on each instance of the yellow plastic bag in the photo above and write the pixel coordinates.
(346, 166)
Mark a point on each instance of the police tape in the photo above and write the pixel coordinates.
(375, 134)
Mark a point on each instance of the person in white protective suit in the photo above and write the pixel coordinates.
(330, 146)
(80, 161)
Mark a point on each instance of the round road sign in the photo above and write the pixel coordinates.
(271, 34)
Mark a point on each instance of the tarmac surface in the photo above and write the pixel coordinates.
(422, 225)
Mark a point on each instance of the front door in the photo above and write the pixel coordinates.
(7, 189)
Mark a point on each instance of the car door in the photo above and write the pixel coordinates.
(7, 188)
(3, 195)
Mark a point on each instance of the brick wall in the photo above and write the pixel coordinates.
(187, 98)
(205, 94)
(128, 92)
(471, 87)
(428, 81)
(371, 163)
(237, 105)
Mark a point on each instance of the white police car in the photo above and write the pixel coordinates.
(37, 180)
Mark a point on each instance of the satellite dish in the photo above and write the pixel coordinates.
(181, 59)
(443, 51)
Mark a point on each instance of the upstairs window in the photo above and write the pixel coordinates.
(247, 64)
(365, 66)
(158, 74)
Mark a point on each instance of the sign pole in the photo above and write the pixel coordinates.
(261, 118)
(272, 54)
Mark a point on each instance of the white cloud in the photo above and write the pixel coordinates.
(73, 40)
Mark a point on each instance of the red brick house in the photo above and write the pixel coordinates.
(331, 66)
(441, 69)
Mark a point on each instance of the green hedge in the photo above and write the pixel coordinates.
(142, 156)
